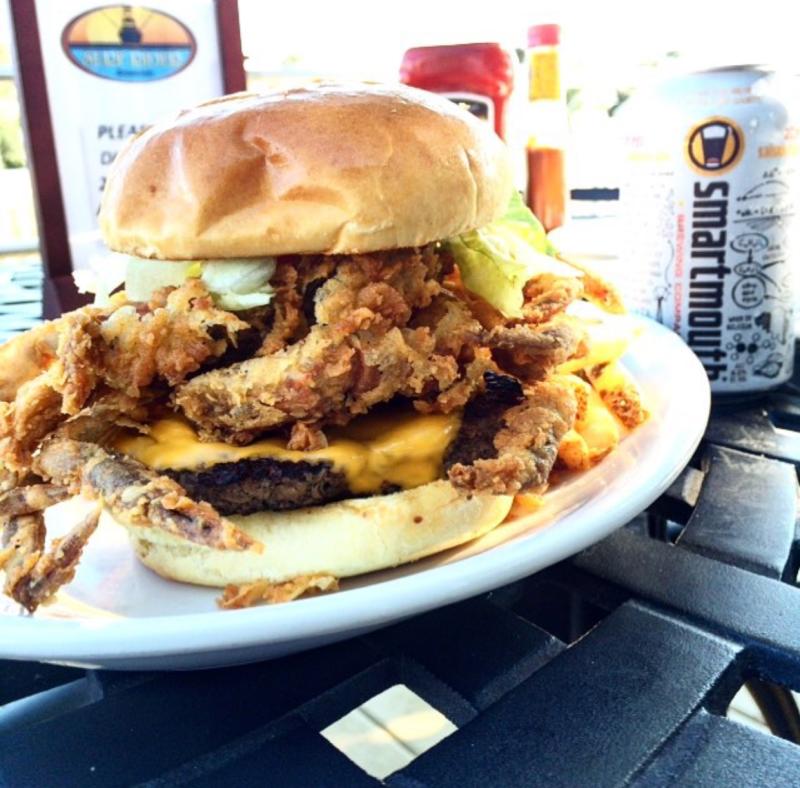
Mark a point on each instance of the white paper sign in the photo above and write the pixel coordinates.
(112, 70)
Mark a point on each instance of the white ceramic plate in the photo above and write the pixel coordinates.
(117, 614)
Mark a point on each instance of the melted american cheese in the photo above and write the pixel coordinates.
(400, 449)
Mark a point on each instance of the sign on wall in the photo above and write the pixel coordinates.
(107, 71)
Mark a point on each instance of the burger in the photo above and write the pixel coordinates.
(340, 345)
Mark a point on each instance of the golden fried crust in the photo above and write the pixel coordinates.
(531, 351)
(526, 446)
(125, 347)
(547, 295)
(274, 593)
(25, 357)
(30, 499)
(37, 576)
(135, 494)
(385, 326)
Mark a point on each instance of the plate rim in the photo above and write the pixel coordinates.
(134, 638)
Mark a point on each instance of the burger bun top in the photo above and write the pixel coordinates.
(329, 169)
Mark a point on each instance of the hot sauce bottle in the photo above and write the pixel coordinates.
(547, 125)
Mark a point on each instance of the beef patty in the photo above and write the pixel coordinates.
(262, 484)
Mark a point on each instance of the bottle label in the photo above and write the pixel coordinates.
(545, 75)
(480, 106)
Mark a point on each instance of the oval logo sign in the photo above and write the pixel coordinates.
(128, 43)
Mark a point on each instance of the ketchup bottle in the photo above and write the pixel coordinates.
(480, 77)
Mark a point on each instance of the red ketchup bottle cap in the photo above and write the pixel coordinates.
(544, 35)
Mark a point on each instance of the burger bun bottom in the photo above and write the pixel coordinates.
(341, 539)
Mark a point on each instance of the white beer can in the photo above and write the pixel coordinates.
(709, 199)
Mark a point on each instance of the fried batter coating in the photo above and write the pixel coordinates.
(173, 337)
(125, 347)
(36, 576)
(25, 357)
(306, 437)
(548, 295)
(274, 593)
(35, 413)
(458, 394)
(331, 376)
(385, 327)
(364, 349)
(596, 289)
(135, 494)
(30, 499)
(532, 351)
(295, 282)
(526, 445)
(21, 546)
(342, 335)
(553, 343)
(483, 419)
(391, 285)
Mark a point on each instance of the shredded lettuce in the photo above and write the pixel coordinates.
(526, 224)
(495, 261)
(144, 277)
(103, 275)
(234, 284)
(239, 284)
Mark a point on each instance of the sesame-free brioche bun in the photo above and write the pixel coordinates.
(330, 169)
(341, 539)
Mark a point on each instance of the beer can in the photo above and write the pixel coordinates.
(708, 219)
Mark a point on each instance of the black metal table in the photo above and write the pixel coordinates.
(615, 667)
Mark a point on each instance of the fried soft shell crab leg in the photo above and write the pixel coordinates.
(106, 358)
(130, 491)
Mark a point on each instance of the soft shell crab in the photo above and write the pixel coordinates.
(68, 386)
